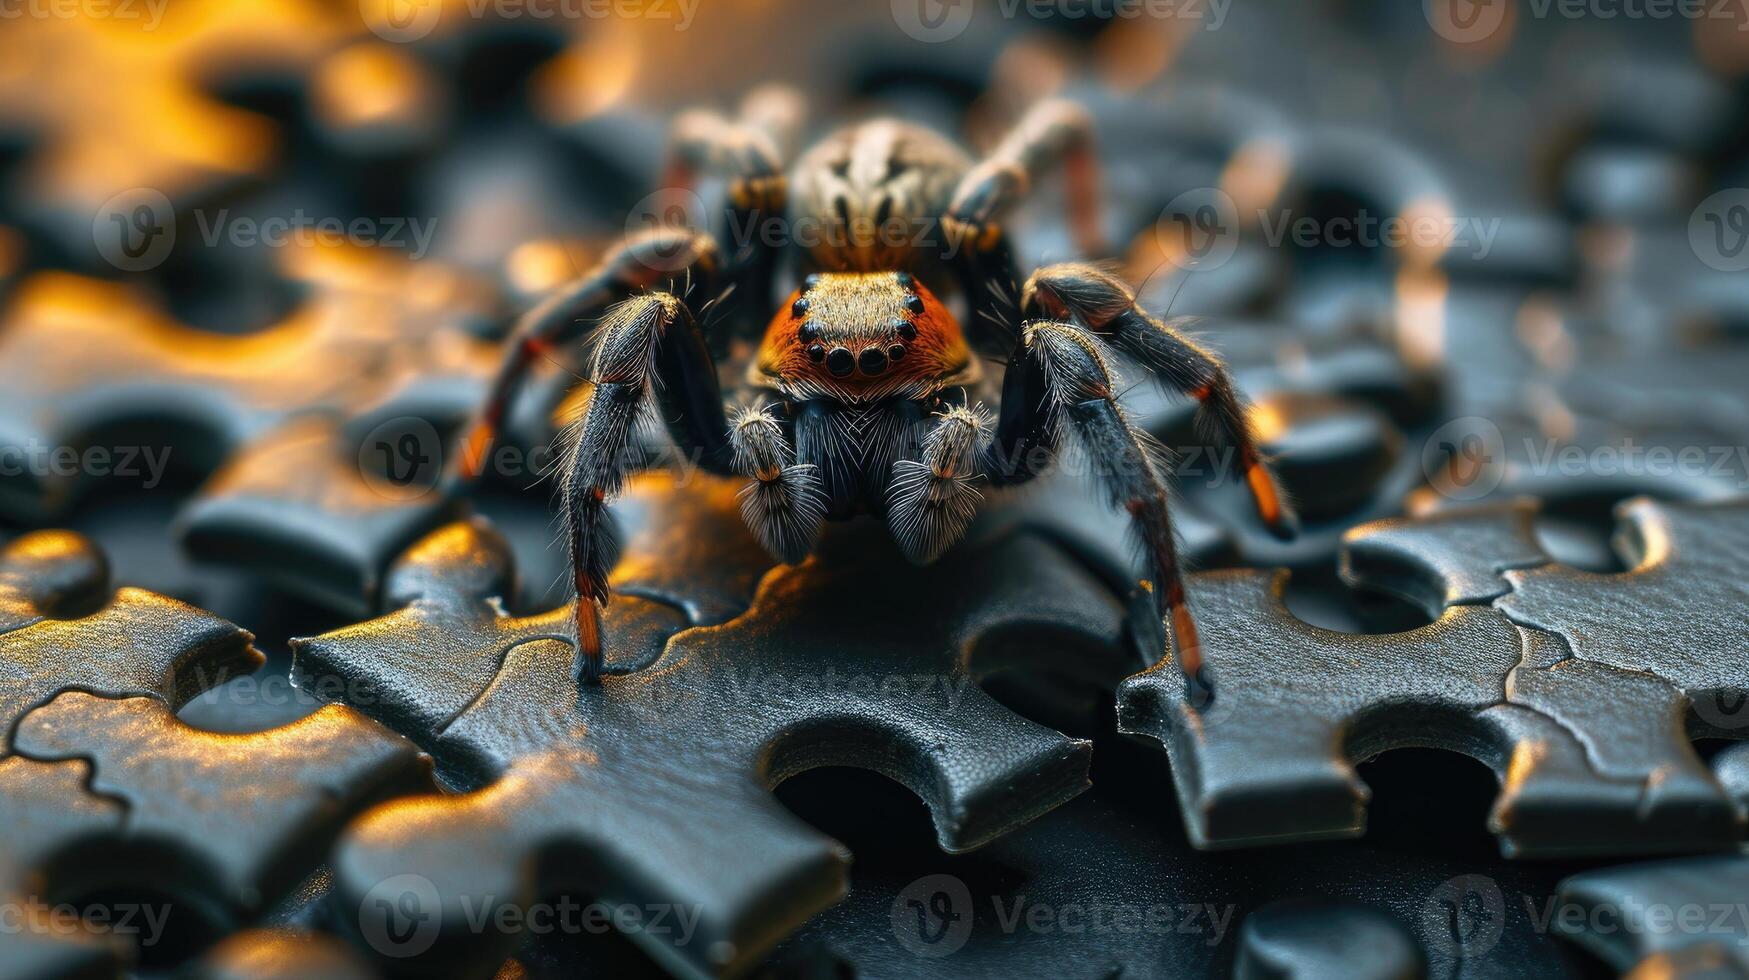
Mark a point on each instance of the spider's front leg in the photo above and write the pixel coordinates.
(1090, 296)
(650, 350)
(1059, 381)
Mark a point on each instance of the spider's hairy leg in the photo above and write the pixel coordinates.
(1080, 391)
(931, 500)
(1095, 298)
(642, 341)
(1055, 132)
(640, 262)
(748, 152)
(786, 501)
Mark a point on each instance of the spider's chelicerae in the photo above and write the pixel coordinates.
(866, 385)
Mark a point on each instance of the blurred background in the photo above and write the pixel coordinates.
(1455, 249)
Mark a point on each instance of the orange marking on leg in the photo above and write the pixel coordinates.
(1185, 643)
(1263, 489)
(474, 449)
(587, 617)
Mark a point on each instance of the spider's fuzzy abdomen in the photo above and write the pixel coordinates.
(859, 338)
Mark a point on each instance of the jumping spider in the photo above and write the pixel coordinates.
(858, 358)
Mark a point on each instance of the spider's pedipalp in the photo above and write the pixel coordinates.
(931, 500)
(786, 501)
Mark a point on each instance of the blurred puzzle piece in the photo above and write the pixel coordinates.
(307, 420)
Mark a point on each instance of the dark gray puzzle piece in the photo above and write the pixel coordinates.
(103, 788)
(1609, 700)
(1324, 939)
(1681, 918)
(654, 787)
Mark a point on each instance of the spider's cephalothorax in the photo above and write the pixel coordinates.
(862, 337)
(864, 388)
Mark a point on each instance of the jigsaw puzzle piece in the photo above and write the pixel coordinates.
(305, 507)
(64, 629)
(281, 954)
(653, 789)
(1352, 696)
(1322, 939)
(1601, 757)
(1680, 613)
(1678, 918)
(192, 788)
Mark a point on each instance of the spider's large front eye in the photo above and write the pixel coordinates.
(873, 361)
(840, 362)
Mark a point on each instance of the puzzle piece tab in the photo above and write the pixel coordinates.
(653, 789)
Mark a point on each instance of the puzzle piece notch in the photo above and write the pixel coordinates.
(1253, 768)
(654, 787)
(1601, 758)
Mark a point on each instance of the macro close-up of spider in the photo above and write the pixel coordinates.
(924, 489)
(867, 395)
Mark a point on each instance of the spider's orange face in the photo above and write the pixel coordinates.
(861, 337)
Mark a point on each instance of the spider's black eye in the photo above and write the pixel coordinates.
(816, 353)
(914, 303)
(799, 307)
(872, 361)
(905, 279)
(840, 362)
(896, 352)
(810, 331)
(812, 280)
(905, 329)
